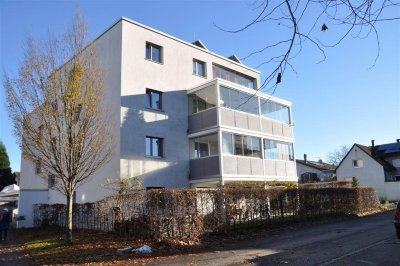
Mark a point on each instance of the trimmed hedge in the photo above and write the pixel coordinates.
(190, 213)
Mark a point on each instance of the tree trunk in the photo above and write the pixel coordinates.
(69, 217)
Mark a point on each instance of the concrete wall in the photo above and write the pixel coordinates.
(370, 174)
(172, 77)
(25, 206)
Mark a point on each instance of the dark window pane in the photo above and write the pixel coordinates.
(256, 147)
(238, 145)
(156, 54)
(148, 99)
(156, 100)
(148, 51)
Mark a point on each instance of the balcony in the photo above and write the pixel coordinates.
(238, 108)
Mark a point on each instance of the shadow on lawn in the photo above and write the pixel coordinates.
(48, 245)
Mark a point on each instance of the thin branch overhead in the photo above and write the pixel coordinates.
(303, 22)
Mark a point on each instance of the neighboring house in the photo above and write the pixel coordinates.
(374, 166)
(311, 171)
(188, 118)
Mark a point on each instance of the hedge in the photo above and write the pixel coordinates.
(191, 213)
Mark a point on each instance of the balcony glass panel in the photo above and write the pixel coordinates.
(234, 144)
(237, 100)
(276, 150)
(204, 146)
(203, 99)
(275, 111)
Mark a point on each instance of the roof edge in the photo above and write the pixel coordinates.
(183, 42)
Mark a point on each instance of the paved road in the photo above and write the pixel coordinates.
(363, 241)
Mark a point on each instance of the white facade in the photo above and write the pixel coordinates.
(369, 172)
(122, 50)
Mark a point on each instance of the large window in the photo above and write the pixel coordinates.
(204, 146)
(153, 52)
(275, 111)
(237, 100)
(153, 99)
(233, 76)
(234, 144)
(154, 147)
(199, 68)
(203, 99)
(276, 150)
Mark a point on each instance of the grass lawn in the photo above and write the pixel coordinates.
(48, 247)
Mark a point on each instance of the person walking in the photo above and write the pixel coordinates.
(5, 223)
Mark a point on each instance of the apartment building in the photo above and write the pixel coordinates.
(188, 118)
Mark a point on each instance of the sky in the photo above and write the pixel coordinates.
(340, 101)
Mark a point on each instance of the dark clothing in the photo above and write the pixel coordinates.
(5, 222)
(4, 225)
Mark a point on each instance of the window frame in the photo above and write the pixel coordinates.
(151, 46)
(51, 182)
(161, 147)
(196, 62)
(149, 95)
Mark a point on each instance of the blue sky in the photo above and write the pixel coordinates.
(340, 101)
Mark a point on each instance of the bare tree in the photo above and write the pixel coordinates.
(336, 156)
(304, 21)
(56, 106)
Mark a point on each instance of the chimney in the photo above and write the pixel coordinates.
(305, 157)
(373, 143)
(398, 140)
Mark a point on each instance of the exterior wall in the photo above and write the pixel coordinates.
(172, 77)
(25, 206)
(370, 174)
(301, 169)
(34, 189)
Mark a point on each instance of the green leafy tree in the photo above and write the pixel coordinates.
(4, 160)
(354, 182)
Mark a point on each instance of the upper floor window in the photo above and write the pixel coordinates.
(203, 99)
(237, 100)
(275, 111)
(233, 76)
(38, 167)
(234, 144)
(153, 99)
(276, 150)
(199, 68)
(154, 52)
(154, 147)
(52, 181)
(357, 163)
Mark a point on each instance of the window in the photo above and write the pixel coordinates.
(154, 52)
(199, 68)
(275, 111)
(204, 146)
(276, 150)
(240, 101)
(233, 76)
(357, 163)
(397, 178)
(203, 99)
(234, 144)
(38, 166)
(154, 147)
(153, 99)
(51, 181)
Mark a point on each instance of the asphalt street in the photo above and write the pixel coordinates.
(361, 241)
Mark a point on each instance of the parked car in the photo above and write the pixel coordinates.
(397, 219)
